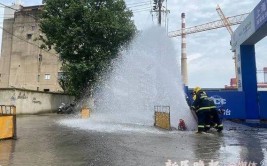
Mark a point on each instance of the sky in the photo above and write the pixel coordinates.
(210, 63)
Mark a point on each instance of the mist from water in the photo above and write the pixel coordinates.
(145, 74)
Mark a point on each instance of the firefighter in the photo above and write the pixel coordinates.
(205, 109)
(215, 120)
(201, 107)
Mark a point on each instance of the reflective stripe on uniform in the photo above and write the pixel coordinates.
(221, 125)
(204, 108)
(200, 126)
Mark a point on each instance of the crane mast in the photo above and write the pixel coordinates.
(226, 22)
(228, 26)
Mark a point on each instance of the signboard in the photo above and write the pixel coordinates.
(250, 25)
(244, 31)
(232, 102)
(260, 14)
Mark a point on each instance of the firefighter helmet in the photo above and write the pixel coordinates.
(196, 89)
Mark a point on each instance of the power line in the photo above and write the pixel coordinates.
(8, 6)
(18, 11)
(37, 23)
(30, 22)
(137, 3)
(145, 4)
(5, 17)
(141, 9)
(26, 40)
(8, 14)
(21, 22)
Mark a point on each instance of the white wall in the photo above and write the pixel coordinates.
(33, 102)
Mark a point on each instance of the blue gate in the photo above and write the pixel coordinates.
(263, 104)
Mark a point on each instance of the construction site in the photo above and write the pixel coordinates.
(133, 117)
(237, 96)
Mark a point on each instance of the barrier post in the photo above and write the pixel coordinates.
(162, 117)
(8, 129)
(85, 113)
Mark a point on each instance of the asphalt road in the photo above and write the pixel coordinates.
(43, 140)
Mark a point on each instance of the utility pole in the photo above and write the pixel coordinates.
(160, 5)
(157, 7)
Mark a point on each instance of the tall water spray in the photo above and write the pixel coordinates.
(144, 75)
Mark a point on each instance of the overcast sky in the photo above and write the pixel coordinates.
(210, 62)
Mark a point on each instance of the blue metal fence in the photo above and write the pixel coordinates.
(263, 104)
(233, 102)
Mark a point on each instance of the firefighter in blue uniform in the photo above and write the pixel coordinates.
(205, 110)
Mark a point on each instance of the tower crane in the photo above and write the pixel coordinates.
(227, 24)
(233, 20)
(225, 21)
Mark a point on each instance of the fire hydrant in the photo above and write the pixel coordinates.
(181, 125)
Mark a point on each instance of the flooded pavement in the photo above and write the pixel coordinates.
(43, 140)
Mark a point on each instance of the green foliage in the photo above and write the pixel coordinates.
(88, 35)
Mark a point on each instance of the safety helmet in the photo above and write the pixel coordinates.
(194, 97)
(196, 89)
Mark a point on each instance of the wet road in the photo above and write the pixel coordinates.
(43, 141)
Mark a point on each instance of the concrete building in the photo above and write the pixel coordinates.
(23, 64)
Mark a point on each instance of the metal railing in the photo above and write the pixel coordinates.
(7, 110)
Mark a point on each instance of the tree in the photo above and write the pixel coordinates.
(88, 35)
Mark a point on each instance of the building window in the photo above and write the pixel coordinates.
(46, 90)
(40, 58)
(37, 88)
(29, 36)
(47, 76)
(33, 27)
